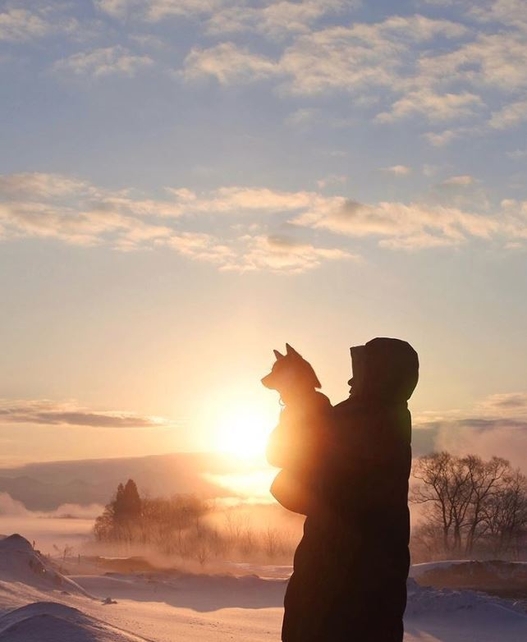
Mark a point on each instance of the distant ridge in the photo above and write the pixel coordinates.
(46, 486)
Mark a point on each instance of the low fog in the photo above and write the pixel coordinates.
(250, 533)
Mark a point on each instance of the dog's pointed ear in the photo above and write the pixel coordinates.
(290, 349)
(278, 355)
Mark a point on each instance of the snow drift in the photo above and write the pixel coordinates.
(168, 606)
(52, 622)
(19, 562)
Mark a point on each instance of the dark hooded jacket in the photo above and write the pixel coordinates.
(351, 566)
(369, 456)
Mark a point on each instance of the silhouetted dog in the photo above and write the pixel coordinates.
(305, 409)
(291, 375)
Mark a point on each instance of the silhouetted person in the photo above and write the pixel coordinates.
(351, 566)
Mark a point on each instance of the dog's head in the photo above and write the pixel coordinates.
(290, 373)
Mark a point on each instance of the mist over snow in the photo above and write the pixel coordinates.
(11, 508)
(39, 603)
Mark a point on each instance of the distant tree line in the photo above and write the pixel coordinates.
(471, 507)
(179, 527)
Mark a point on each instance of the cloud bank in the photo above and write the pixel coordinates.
(249, 228)
(461, 75)
(51, 413)
(495, 426)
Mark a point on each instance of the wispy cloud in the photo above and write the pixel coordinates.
(18, 25)
(509, 116)
(468, 194)
(398, 170)
(274, 19)
(303, 117)
(437, 3)
(74, 226)
(331, 181)
(281, 253)
(509, 404)
(432, 105)
(118, 8)
(388, 58)
(55, 206)
(228, 63)
(51, 413)
(52, 206)
(41, 185)
(440, 139)
(23, 22)
(246, 223)
(489, 60)
(400, 225)
(333, 58)
(103, 62)
(204, 247)
(517, 154)
(459, 181)
(391, 67)
(506, 12)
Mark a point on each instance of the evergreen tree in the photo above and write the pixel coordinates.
(124, 511)
(127, 505)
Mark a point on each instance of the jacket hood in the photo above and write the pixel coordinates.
(385, 370)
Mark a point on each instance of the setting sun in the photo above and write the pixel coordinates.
(242, 431)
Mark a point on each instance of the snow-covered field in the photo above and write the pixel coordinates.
(39, 604)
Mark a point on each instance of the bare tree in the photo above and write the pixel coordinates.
(468, 501)
(444, 489)
(506, 515)
(485, 483)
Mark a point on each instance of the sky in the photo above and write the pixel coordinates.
(187, 184)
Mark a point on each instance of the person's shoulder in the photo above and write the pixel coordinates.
(345, 405)
(348, 409)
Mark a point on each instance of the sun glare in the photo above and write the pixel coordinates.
(242, 432)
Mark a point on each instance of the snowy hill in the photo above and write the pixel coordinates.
(498, 577)
(20, 563)
(170, 607)
(53, 622)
